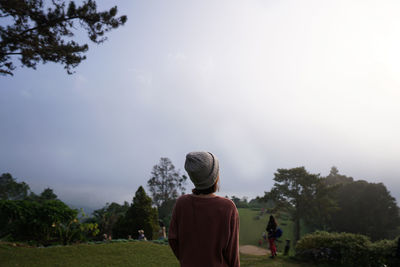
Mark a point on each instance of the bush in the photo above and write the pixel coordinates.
(45, 223)
(346, 249)
(385, 252)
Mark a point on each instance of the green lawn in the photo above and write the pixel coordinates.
(114, 254)
(251, 229)
(137, 254)
(145, 254)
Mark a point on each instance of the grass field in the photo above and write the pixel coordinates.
(137, 254)
(145, 254)
(251, 229)
(114, 254)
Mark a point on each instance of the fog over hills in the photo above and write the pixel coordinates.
(261, 84)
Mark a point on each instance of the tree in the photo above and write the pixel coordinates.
(10, 189)
(166, 183)
(165, 212)
(366, 208)
(108, 216)
(323, 206)
(334, 178)
(31, 220)
(260, 202)
(140, 216)
(299, 192)
(240, 203)
(48, 194)
(41, 31)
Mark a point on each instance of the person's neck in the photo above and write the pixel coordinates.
(205, 196)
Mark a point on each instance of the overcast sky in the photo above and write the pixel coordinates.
(261, 84)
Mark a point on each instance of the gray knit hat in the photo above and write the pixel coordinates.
(203, 169)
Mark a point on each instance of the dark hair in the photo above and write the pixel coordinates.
(272, 224)
(212, 189)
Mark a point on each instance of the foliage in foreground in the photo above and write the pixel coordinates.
(46, 222)
(347, 250)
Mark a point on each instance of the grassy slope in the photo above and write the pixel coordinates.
(137, 254)
(142, 253)
(251, 230)
(114, 254)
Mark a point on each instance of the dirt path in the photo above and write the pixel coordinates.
(253, 250)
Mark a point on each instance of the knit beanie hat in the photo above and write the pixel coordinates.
(203, 169)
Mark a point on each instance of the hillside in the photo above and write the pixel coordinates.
(111, 254)
(253, 224)
(135, 253)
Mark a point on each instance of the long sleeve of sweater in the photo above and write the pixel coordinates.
(232, 249)
(173, 234)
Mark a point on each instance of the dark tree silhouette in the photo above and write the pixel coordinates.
(41, 31)
(304, 195)
(140, 216)
(368, 209)
(48, 194)
(10, 189)
(166, 183)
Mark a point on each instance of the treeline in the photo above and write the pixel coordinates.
(44, 219)
(39, 219)
(335, 203)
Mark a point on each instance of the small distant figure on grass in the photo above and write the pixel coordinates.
(272, 228)
(162, 232)
(141, 235)
(107, 238)
(287, 247)
(264, 236)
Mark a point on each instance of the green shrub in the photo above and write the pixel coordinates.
(42, 223)
(346, 249)
(385, 251)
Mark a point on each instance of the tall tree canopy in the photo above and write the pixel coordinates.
(303, 194)
(41, 31)
(48, 194)
(140, 216)
(366, 208)
(108, 216)
(166, 183)
(335, 178)
(10, 189)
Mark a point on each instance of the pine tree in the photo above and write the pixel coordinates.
(41, 31)
(140, 216)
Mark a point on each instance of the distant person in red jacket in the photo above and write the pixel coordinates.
(204, 229)
(271, 229)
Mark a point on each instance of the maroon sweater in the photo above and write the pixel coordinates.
(205, 232)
